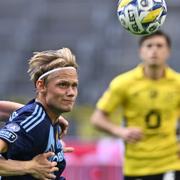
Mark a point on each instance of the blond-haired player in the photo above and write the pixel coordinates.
(34, 128)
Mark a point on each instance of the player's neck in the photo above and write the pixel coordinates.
(154, 73)
(52, 114)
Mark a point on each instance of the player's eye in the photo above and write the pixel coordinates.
(63, 84)
(74, 85)
(149, 45)
(159, 45)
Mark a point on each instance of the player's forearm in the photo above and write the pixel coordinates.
(103, 122)
(3, 116)
(7, 107)
(13, 168)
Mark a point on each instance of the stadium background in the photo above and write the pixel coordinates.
(103, 49)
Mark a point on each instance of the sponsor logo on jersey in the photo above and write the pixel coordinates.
(13, 127)
(13, 115)
(8, 135)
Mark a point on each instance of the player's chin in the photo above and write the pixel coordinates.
(154, 65)
(67, 108)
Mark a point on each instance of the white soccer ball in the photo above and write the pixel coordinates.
(142, 17)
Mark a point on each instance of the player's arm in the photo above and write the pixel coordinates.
(39, 167)
(7, 107)
(178, 135)
(102, 121)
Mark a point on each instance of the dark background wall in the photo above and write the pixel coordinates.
(90, 28)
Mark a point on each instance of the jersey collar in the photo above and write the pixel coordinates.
(169, 73)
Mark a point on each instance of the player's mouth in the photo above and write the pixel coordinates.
(67, 101)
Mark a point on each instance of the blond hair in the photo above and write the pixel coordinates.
(45, 61)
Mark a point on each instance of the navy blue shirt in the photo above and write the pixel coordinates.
(30, 132)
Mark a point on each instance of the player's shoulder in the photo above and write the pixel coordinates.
(31, 108)
(31, 118)
(127, 77)
(173, 73)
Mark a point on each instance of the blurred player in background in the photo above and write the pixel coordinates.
(34, 128)
(149, 96)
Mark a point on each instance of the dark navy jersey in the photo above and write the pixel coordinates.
(30, 132)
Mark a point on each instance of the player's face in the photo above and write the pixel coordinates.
(61, 90)
(154, 51)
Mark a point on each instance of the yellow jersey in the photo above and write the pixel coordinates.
(153, 106)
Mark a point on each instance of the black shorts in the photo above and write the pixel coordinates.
(152, 177)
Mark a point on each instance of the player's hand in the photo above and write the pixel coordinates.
(178, 149)
(41, 168)
(64, 125)
(65, 148)
(131, 135)
(68, 149)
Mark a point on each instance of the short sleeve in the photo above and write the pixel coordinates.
(112, 98)
(8, 133)
(19, 143)
(25, 135)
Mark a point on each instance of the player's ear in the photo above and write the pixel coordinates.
(40, 86)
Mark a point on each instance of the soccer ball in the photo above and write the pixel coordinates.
(142, 17)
